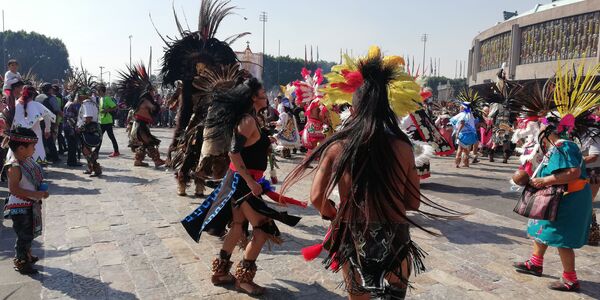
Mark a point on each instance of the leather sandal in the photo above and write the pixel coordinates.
(244, 275)
(564, 285)
(221, 274)
(527, 267)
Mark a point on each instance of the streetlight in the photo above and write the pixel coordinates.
(424, 40)
(101, 73)
(263, 18)
(130, 36)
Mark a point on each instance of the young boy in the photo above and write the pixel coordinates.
(11, 76)
(26, 189)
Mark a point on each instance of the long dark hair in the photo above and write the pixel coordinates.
(367, 155)
(229, 107)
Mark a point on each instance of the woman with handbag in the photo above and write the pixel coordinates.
(562, 165)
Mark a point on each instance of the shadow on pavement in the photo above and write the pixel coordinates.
(590, 288)
(79, 287)
(276, 291)
(463, 232)
(66, 190)
(444, 188)
(56, 174)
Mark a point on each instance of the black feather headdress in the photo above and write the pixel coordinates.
(185, 56)
(534, 99)
(134, 85)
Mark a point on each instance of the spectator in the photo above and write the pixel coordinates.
(11, 76)
(107, 108)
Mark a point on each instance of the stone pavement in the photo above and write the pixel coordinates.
(119, 237)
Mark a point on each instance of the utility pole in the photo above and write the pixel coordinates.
(278, 58)
(424, 40)
(3, 42)
(101, 68)
(263, 18)
(130, 36)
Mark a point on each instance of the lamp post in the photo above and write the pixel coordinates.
(130, 36)
(263, 18)
(424, 40)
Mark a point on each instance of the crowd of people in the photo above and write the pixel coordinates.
(369, 132)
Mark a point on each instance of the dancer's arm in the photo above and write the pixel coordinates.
(318, 192)
(406, 158)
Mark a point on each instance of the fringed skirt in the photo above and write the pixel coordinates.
(216, 212)
(140, 136)
(373, 252)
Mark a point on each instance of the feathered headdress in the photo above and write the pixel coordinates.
(534, 99)
(194, 50)
(80, 81)
(134, 84)
(308, 89)
(403, 92)
(504, 89)
(576, 95)
(471, 100)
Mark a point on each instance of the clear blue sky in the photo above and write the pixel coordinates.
(97, 32)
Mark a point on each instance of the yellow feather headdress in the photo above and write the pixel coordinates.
(576, 92)
(403, 92)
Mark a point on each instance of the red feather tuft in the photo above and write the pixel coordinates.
(312, 252)
(319, 75)
(305, 73)
(426, 95)
(353, 81)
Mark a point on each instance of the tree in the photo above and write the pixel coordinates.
(46, 57)
(456, 84)
(289, 70)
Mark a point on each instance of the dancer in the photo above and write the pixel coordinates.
(287, 136)
(89, 130)
(563, 165)
(503, 91)
(485, 132)
(317, 125)
(371, 162)
(464, 126)
(136, 88)
(236, 202)
(425, 137)
(29, 114)
(442, 123)
(186, 59)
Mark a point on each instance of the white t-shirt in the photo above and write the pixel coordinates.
(593, 149)
(88, 109)
(10, 78)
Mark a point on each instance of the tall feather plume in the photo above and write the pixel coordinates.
(183, 53)
(133, 83)
(576, 91)
(534, 99)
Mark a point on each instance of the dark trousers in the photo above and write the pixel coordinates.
(72, 148)
(50, 145)
(23, 227)
(62, 144)
(108, 128)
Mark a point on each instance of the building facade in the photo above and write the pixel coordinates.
(531, 45)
